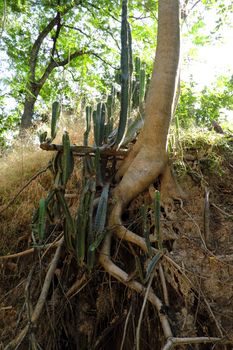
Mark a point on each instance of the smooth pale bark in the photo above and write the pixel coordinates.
(148, 158)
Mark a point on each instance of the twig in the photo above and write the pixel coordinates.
(28, 303)
(222, 211)
(207, 216)
(212, 314)
(141, 313)
(78, 285)
(113, 324)
(25, 186)
(125, 327)
(41, 301)
(164, 286)
(194, 340)
(194, 287)
(30, 251)
(199, 230)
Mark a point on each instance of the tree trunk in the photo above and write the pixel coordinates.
(148, 159)
(26, 119)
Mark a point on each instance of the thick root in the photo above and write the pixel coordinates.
(127, 162)
(123, 277)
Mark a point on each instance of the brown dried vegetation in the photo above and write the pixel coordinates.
(93, 310)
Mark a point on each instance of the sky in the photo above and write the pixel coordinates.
(213, 59)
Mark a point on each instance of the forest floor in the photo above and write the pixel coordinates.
(92, 310)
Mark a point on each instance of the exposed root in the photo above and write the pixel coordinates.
(123, 277)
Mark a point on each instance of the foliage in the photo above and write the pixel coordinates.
(205, 106)
(95, 27)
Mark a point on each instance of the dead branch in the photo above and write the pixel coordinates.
(141, 313)
(164, 285)
(84, 150)
(30, 251)
(194, 340)
(125, 327)
(41, 301)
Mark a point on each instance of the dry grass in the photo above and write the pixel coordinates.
(16, 169)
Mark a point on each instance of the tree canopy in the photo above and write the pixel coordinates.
(69, 52)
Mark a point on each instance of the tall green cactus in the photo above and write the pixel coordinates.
(90, 230)
(67, 159)
(100, 219)
(142, 86)
(42, 219)
(81, 222)
(56, 110)
(99, 123)
(139, 84)
(125, 74)
(88, 124)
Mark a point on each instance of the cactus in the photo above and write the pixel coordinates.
(90, 231)
(137, 68)
(67, 159)
(41, 218)
(81, 222)
(68, 223)
(151, 265)
(99, 122)
(101, 111)
(96, 127)
(43, 137)
(100, 219)
(69, 219)
(98, 169)
(142, 86)
(136, 83)
(125, 74)
(145, 229)
(109, 125)
(56, 110)
(88, 125)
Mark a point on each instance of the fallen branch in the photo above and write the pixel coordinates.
(30, 251)
(125, 327)
(141, 313)
(41, 301)
(194, 340)
(84, 150)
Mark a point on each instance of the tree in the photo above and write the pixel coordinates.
(42, 40)
(35, 84)
(148, 158)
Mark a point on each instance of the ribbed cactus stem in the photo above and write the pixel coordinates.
(56, 110)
